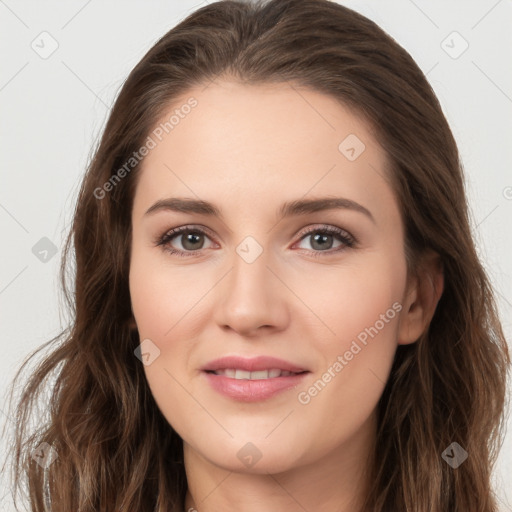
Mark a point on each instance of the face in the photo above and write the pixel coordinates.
(321, 290)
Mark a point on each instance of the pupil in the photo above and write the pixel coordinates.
(318, 237)
(190, 239)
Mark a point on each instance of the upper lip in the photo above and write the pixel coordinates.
(252, 364)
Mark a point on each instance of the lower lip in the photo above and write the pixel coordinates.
(246, 390)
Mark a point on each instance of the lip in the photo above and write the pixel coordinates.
(245, 390)
(252, 364)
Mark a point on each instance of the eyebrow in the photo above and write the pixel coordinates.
(288, 209)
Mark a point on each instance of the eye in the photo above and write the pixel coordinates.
(191, 238)
(323, 237)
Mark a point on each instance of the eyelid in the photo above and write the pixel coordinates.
(329, 228)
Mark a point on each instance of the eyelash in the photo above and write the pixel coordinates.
(346, 238)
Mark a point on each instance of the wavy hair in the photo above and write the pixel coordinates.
(115, 450)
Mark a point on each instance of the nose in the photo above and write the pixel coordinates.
(252, 298)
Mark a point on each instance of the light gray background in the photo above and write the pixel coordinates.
(53, 110)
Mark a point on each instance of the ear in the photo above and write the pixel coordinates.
(421, 297)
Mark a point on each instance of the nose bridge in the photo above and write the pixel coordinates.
(250, 277)
(250, 296)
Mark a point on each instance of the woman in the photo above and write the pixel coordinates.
(278, 304)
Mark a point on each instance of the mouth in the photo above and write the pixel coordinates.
(239, 374)
(254, 379)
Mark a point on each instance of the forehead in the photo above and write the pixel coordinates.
(262, 141)
(228, 113)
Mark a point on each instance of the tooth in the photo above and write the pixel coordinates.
(234, 373)
(242, 374)
(261, 374)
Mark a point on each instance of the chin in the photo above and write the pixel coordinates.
(268, 464)
(250, 457)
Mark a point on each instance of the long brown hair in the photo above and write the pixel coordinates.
(115, 450)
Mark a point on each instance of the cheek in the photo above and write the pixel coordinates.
(347, 387)
(362, 313)
(162, 306)
(352, 300)
(170, 313)
(163, 298)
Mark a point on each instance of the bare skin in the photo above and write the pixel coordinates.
(248, 149)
